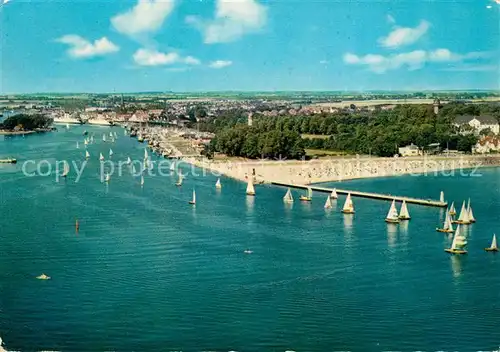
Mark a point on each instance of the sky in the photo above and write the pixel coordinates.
(248, 45)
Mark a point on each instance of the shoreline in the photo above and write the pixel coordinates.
(338, 170)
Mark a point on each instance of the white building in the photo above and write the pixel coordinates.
(409, 150)
(468, 123)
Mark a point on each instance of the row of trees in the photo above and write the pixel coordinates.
(26, 122)
(251, 142)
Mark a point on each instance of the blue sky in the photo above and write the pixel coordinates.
(250, 45)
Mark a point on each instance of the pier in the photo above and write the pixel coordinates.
(387, 197)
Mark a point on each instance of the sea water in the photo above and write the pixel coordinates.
(149, 272)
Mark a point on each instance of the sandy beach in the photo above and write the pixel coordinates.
(338, 169)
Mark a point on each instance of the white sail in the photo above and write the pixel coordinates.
(288, 198)
(66, 170)
(87, 155)
(142, 180)
(309, 192)
(334, 194)
(172, 166)
(92, 139)
(129, 161)
(146, 156)
(441, 197)
(110, 152)
(464, 215)
(348, 205)
(67, 126)
(179, 181)
(452, 209)
(77, 145)
(218, 184)
(101, 157)
(404, 214)
(104, 138)
(194, 197)
(110, 135)
(470, 213)
(393, 212)
(454, 242)
(494, 242)
(448, 225)
(250, 187)
(328, 203)
(107, 178)
(85, 141)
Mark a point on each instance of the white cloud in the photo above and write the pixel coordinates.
(412, 60)
(189, 60)
(148, 57)
(146, 16)
(233, 19)
(402, 36)
(390, 19)
(80, 48)
(220, 64)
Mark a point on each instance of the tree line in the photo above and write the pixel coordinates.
(379, 132)
(26, 122)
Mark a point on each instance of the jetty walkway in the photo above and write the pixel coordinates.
(388, 197)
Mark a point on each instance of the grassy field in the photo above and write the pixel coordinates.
(315, 136)
(321, 152)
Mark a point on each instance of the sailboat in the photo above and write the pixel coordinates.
(179, 181)
(463, 219)
(65, 170)
(288, 198)
(471, 214)
(142, 180)
(308, 197)
(441, 197)
(104, 138)
(77, 145)
(85, 141)
(493, 247)
(92, 139)
(110, 135)
(146, 156)
(250, 188)
(403, 213)
(348, 205)
(334, 194)
(101, 157)
(129, 161)
(328, 203)
(172, 166)
(392, 215)
(193, 200)
(218, 185)
(458, 244)
(110, 152)
(452, 211)
(67, 126)
(447, 226)
(87, 155)
(107, 178)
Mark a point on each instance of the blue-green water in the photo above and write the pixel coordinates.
(147, 272)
